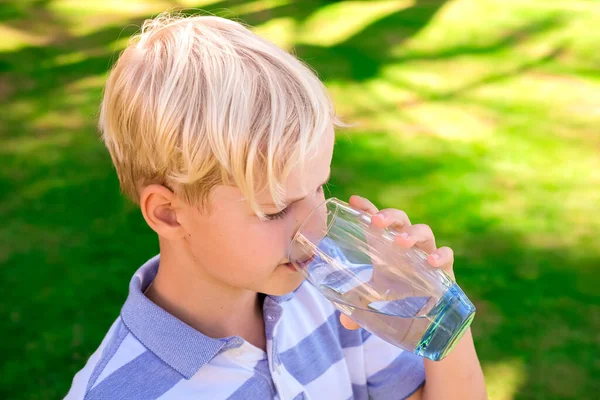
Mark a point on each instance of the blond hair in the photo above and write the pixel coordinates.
(194, 102)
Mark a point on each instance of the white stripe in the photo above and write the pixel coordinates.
(129, 349)
(303, 315)
(218, 379)
(378, 354)
(246, 355)
(287, 386)
(333, 384)
(355, 359)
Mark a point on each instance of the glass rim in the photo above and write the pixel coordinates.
(310, 215)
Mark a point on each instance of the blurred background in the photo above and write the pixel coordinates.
(478, 117)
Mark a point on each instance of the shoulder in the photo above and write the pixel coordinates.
(122, 368)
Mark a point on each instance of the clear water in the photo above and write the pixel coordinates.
(413, 323)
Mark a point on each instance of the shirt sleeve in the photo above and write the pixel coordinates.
(392, 373)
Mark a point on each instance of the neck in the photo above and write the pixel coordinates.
(215, 309)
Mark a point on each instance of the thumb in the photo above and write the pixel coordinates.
(348, 322)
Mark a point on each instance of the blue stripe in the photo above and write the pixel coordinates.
(109, 351)
(146, 377)
(414, 391)
(346, 337)
(338, 279)
(365, 335)
(398, 380)
(259, 386)
(272, 312)
(262, 368)
(310, 358)
(408, 307)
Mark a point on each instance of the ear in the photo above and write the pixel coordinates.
(158, 208)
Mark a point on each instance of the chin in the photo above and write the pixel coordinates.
(284, 283)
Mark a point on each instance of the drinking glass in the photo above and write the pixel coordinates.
(390, 291)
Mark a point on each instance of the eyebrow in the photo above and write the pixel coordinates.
(289, 202)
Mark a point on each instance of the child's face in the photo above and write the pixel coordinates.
(231, 245)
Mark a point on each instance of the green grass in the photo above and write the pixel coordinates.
(479, 118)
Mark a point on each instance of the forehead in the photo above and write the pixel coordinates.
(315, 172)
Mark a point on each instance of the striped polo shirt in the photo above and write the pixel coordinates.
(149, 354)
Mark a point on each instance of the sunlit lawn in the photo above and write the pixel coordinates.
(480, 118)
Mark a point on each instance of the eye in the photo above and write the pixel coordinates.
(279, 215)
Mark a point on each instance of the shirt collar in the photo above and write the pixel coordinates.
(177, 344)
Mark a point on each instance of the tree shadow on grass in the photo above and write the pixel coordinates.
(361, 56)
(38, 72)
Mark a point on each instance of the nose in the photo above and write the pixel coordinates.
(311, 219)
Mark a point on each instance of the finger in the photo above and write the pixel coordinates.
(442, 258)
(362, 204)
(348, 323)
(419, 236)
(391, 218)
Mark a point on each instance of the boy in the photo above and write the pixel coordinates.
(225, 142)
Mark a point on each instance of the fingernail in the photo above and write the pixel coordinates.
(404, 235)
(435, 256)
(380, 215)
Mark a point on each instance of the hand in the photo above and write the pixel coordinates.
(418, 235)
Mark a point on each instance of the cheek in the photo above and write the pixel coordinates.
(253, 244)
(269, 240)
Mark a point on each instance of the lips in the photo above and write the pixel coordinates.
(305, 262)
(300, 264)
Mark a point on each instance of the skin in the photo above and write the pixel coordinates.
(215, 261)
